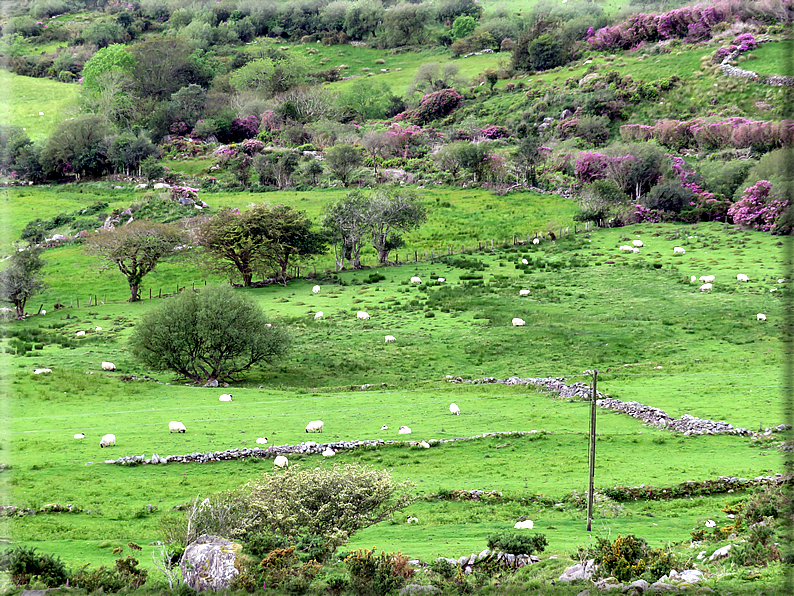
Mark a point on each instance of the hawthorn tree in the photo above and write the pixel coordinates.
(215, 334)
(343, 160)
(389, 214)
(19, 281)
(347, 225)
(135, 249)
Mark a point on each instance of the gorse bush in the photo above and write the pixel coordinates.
(373, 574)
(629, 557)
(25, 565)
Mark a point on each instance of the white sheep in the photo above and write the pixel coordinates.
(107, 440)
(281, 461)
(390, 338)
(635, 250)
(637, 243)
(412, 520)
(441, 280)
(384, 427)
(315, 426)
(742, 277)
(44, 312)
(760, 317)
(518, 322)
(524, 262)
(328, 452)
(79, 333)
(98, 329)
(453, 408)
(626, 248)
(536, 241)
(692, 279)
(707, 279)
(678, 250)
(316, 289)
(80, 436)
(524, 525)
(773, 289)
(108, 366)
(706, 287)
(176, 427)
(710, 523)
(404, 430)
(319, 315)
(424, 445)
(523, 292)
(781, 281)
(261, 441)
(225, 397)
(362, 315)
(42, 371)
(415, 280)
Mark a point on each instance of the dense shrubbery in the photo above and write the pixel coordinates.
(518, 544)
(25, 565)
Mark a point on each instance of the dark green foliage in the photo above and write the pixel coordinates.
(75, 146)
(19, 280)
(262, 541)
(724, 177)
(25, 565)
(372, 574)
(629, 557)
(215, 334)
(516, 543)
(670, 196)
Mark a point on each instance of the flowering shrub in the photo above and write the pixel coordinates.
(495, 132)
(178, 128)
(178, 146)
(184, 192)
(737, 133)
(433, 105)
(642, 214)
(720, 55)
(226, 152)
(244, 128)
(270, 121)
(591, 166)
(757, 209)
(404, 134)
(252, 146)
(744, 42)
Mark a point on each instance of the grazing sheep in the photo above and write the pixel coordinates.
(524, 262)
(742, 277)
(760, 317)
(536, 241)
(176, 427)
(523, 292)
(107, 440)
(281, 461)
(98, 329)
(415, 280)
(635, 250)
(706, 287)
(316, 289)
(441, 280)
(637, 243)
(225, 397)
(43, 312)
(79, 333)
(319, 315)
(692, 279)
(518, 322)
(524, 525)
(108, 366)
(677, 250)
(424, 445)
(454, 409)
(261, 441)
(315, 426)
(42, 371)
(710, 523)
(328, 452)
(626, 248)
(404, 430)
(384, 427)
(362, 315)
(412, 520)
(269, 325)
(390, 339)
(773, 289)
(707, 279)
(781, 281)
(80, 436)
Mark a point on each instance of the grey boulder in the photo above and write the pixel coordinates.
(210, 563)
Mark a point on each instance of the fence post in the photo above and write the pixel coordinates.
(416, 257)
(159, 292)
(78, 302)
(592, 450)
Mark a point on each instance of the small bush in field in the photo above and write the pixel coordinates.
(518, 544)
(25, 565)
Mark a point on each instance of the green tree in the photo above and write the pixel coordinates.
(135, 249)
(526, 157)
(389, 214)
(76, 145)
(19, 280)
(379, 145)
(128, 151)
(404, 24)
(215, 334)
(343, 160)
(189, 103)
(347, 224)
(450, 158)
(163, 65)
(462, 26)
(114, 57)
(267, 76)
(365, 99)
(363, 17)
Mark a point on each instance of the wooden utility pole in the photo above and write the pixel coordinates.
(592, 450)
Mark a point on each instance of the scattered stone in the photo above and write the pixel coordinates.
(211, 563)
(579, 571)
(720, 553)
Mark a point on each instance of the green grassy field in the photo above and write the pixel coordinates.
(716, 362)
(23, 98)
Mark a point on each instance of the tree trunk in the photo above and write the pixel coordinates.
(383, 256)
(20, 306)
(247, 277)
(134, 290)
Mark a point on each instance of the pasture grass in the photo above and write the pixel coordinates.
(22, 98)
(589, 306)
